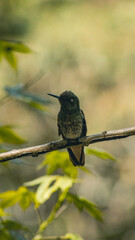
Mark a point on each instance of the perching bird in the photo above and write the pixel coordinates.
(71, 125)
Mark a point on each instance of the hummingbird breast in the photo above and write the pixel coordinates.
(70, 124)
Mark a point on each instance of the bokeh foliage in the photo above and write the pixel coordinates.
(86, 47)
(47, 186)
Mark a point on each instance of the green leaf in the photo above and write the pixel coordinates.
(7, 49)
(45, 191)
(64, 183)
(25, 202)
(70, 236)
(22, 195)
(2, 213)
(16, 46)
(82, 203)
(10, 57)
(38, 181)
(86, 170)
(9, 198)
(26, 197)
(101, 154)
(7, 135)
(49, 185)
(12, 225)
(59, 160)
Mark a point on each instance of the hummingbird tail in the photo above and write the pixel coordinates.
(76, 154)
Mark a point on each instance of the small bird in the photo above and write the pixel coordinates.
(71, 124)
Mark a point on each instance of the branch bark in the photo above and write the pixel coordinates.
(52, 238)
(60, 144)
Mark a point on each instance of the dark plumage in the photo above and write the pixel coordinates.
(72, 125)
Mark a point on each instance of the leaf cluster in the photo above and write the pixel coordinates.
(58, 162)
(60, 176)
(7, 49)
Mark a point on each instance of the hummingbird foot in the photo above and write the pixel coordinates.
(72, 141)
(104, 133)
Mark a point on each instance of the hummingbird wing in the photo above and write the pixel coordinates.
(59, 130)
(76, 153)
(84, 128)
(58, 124)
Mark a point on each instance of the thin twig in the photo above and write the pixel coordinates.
(39, 215)
(34, 79)
(60, 144)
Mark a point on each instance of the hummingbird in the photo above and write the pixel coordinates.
(71, 125)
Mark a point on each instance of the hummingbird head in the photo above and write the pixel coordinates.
(68, 101)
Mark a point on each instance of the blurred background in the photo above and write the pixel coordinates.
(87, 47)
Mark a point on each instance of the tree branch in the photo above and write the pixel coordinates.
(51, 238)
(60, 144)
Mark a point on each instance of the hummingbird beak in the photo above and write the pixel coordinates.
(53, 95)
